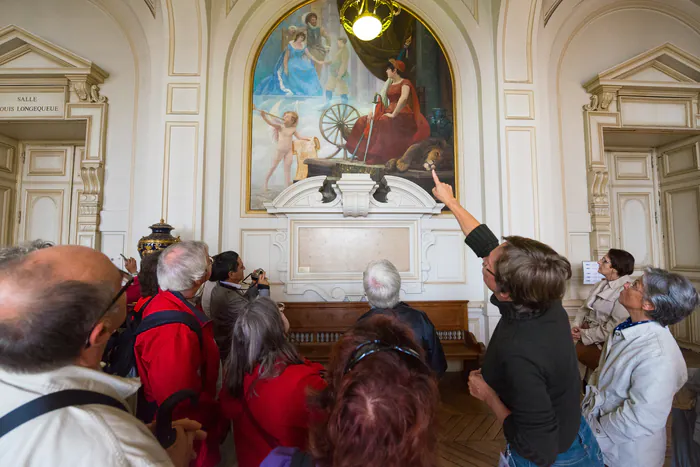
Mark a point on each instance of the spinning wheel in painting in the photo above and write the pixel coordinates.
(335, 124)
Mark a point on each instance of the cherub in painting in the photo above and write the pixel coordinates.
(284, 131)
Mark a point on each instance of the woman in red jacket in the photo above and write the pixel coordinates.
(266, 385)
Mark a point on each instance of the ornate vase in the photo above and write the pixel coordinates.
(440, 125)
(159, 239)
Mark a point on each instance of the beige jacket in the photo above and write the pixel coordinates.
(86, 436)
(602, 311)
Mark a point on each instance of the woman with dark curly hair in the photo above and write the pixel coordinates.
(379, 407)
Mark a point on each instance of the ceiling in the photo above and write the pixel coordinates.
(644, 138)
(45, 130)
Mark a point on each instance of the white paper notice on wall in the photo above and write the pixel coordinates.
(590, 273)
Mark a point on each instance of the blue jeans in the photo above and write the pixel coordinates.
(584, 452)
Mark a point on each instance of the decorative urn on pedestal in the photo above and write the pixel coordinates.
(159, 239)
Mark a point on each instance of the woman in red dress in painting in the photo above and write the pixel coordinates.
(398, 122)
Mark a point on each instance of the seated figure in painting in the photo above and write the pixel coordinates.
(294, 74)
(398, 121)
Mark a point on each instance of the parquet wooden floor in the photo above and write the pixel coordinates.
(469, 434)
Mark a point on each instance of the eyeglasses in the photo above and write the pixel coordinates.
(111, 304)
(371, 347)
(637, 285)
(485, 268)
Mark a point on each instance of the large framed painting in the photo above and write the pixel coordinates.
(324, 103)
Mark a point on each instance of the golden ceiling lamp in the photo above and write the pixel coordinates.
(367, 19)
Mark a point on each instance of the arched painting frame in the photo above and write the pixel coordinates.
(321, 86)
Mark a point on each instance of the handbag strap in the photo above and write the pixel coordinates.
(54, 401)
(269, 439)
(301, 459)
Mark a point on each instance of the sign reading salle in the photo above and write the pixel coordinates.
(32, 104)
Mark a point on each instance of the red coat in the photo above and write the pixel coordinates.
(169, 360)
(133, 292)
(279, 405)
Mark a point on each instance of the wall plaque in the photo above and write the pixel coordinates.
(32, 103)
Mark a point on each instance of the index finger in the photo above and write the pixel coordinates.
(435, 177)
(187, 424)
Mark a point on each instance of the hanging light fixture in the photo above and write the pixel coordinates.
(367, 22)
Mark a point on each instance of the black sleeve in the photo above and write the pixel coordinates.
(482, 241)
(532, 428)
(435, 354)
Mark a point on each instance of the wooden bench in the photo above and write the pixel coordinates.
(316, 326)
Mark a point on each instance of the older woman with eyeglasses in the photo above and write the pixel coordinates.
(602, 310)
(629, 397)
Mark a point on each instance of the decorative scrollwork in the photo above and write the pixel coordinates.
(600, 102)
(87, 93)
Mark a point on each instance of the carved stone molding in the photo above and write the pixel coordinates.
(355, 208)
(600, 102)
(354, 197)
(599, 186)
(87, 92)
(356, 191)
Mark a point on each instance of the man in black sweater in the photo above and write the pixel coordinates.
(530, 377)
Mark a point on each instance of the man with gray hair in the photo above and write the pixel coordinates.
(13, 252)
(630, 395)
(382, 283)
(179, 356)
(58, 308)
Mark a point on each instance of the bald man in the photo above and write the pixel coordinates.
(58, 308)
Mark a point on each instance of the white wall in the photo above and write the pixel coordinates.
(177, 124)
(580, 41)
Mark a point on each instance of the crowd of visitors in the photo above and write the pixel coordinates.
(167, 364)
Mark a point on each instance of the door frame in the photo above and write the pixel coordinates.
(658, 238)
(78, 80)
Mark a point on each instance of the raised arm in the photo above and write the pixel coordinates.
(308, 54)
(478, 236)
(268, 121)
(444, 193)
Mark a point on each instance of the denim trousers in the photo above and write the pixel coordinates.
(584, 452)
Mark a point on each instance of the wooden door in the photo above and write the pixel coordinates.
(46, 193)
(634, 204)
(679, 177)
(9, 172)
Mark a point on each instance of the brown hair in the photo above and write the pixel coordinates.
(382, 412)
(296, 36)
(295, 116)
(531, 272)
(621, 261)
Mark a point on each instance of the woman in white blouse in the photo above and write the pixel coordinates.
(602, 310)
(629, 397)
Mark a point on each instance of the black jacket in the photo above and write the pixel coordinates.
(226, 303)
(531, 364)
(423, 330)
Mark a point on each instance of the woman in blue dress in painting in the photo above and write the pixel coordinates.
(294, 74)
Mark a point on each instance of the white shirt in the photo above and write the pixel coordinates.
(630, 394)
(85, 436)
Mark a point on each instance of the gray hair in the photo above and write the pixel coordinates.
(10, 253)
(51, 322)
(181, 265)
(673, 296)
(258, 338)
(382, 283)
